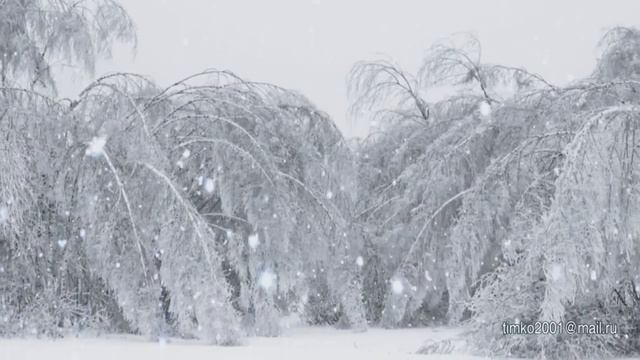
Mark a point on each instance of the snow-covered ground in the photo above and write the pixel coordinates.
(296, 343)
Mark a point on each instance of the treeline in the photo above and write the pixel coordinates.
(215, 206)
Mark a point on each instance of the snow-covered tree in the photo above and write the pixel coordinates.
(570, 246)
(200, 209)
(422, 163)
(37, 35)
(196, 203)
(511, 200)
(214, 206)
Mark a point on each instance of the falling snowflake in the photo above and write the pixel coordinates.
(545, 60)
(396, 286)
(62, 243)
(266, 279)
(95, 147)
(594, 276)
(359, 261)
(329, 195)
(209, 185)
(427, 276)
(254, 240)
(485, 109)
(4, 214)
(186, 153)
(557, 272)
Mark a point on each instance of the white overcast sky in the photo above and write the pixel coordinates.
(310, 45)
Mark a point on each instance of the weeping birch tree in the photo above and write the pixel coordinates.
(513, 203)
(205, 209)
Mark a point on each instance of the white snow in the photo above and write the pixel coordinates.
(209, 185)
(485, 109)
(95, 147)
(396, 286)
(186, 153)
(4, 214)
(557, 272)
(594, 276)
(360, 261)
(267, 279)
(545, 60)
(427, 276)
(304, 343)
(329, 195)
(253, 240)
(62, 243)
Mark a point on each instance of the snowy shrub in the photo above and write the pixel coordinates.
(320, 306)
(374, 284)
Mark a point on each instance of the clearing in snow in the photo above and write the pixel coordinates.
(306, 343)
